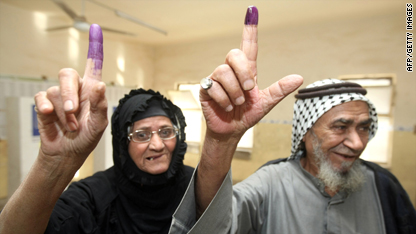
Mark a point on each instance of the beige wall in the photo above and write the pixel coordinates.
(26, 50)
(375, 44)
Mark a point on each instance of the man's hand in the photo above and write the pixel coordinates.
(234, 103)
(73, 116)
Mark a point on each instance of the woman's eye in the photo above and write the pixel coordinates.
(165, 132)
(141, 135)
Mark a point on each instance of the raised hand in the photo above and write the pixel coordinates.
(73, 116)
(234, 103)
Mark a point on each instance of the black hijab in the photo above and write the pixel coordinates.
(146, 202)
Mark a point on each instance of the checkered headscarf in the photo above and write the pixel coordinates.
(318, 98)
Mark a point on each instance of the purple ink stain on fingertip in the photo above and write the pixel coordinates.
(252, 16)
(95, 49)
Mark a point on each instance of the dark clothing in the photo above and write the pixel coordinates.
(96, 205)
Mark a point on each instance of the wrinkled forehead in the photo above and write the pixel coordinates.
(154, 122)
(350, 112)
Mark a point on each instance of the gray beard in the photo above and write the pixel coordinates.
(338, 179)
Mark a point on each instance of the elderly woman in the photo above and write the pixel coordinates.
(142, 190)
(139, 194)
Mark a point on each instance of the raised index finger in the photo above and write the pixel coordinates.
(95, 54)
(249, 40)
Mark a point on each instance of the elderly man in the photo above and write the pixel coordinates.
(323, 187)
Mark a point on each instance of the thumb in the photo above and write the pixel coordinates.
(279, 90)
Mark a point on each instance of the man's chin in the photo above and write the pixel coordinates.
(342, 170)
(348, 176)
(345, 167)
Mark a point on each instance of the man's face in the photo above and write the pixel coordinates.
(342, 134)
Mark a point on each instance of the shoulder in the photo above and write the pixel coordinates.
(83, 203)
(185, 174)
(275, 161)
(387, 184)
(383, 175)
(397, 207)
(273, 171)
(188, 171)
(281, 165)
(99, 188)
(101, 178)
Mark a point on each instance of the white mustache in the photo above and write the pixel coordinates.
(342, 149)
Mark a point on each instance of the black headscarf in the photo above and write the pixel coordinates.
(147, 202)
(131, 108)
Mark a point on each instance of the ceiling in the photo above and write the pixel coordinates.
(191, 20)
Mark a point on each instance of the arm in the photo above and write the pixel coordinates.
(232, 105)
(71, 119)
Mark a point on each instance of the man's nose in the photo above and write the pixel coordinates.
(355, 142)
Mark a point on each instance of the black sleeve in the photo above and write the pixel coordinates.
(398, 211)
(83, 208)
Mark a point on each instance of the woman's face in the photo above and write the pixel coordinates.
(155, 155)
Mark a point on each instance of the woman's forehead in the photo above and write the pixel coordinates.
(154, 121)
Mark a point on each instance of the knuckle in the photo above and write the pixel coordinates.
(234, 52)
(40, 95)
(52, 90)
(222, 70)
(66, 72)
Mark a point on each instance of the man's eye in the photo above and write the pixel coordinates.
(365, 128)
(340, 127)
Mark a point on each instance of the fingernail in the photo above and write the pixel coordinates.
(68, 105)
(239, 100)
(229, 108)
(248, 85)
(252, 16)
(95, 49)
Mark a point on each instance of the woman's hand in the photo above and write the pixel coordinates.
(73, 116)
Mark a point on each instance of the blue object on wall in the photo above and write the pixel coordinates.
(35, 129)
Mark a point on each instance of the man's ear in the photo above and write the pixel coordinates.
(308, 133)
(304, 136)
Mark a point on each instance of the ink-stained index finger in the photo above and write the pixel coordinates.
(95, 54)
(249, 40)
